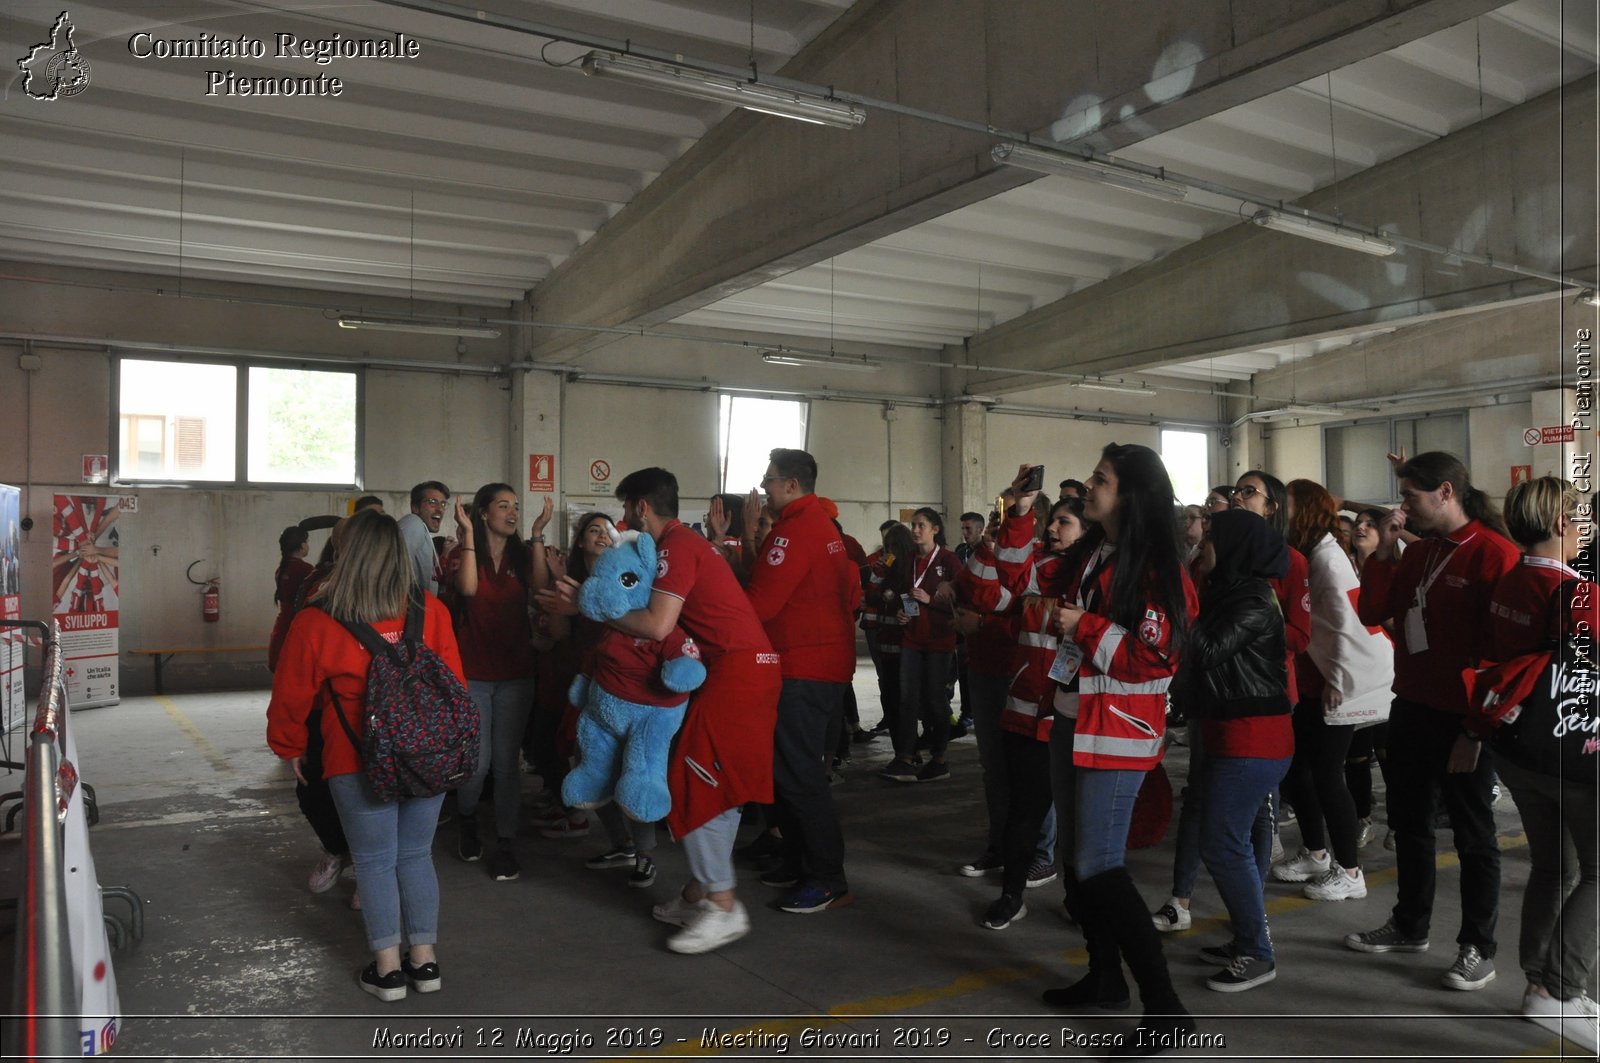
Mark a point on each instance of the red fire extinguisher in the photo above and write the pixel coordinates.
(210, 595)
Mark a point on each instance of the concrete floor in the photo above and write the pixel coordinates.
(240, 961)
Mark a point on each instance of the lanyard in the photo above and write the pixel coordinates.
(1550, 562)
(1091, 569)
(1439, 567)
(931, 559)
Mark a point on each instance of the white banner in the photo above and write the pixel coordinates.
(84, 593)
(99, 1008)
(13, 642)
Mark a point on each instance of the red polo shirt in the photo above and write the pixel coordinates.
(1459, 572)
(716, 613)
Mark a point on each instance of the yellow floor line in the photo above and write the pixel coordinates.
(900, 1003)
(201, 742)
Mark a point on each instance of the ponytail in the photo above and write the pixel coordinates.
(1435, 467)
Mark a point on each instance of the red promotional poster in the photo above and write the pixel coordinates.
(83, 592)
(13, 708)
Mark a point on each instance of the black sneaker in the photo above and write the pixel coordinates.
(899, 770)
(781, 878)
(424, 977)
(1005, 911)
(1224, 953)
(468, 847)
(934, 771)
(1041, 874)
(643, 873)
(623, 857)
(1245, 972)
(389, 988)
(987, 864)
(503, 866)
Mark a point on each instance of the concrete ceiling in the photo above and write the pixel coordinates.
(465, 175)
(944, 281)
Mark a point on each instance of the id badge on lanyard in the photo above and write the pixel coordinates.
(909, 605)
(1416, 630)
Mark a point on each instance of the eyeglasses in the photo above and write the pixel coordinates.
(1247, 491)
(772, 480)
(434, 503)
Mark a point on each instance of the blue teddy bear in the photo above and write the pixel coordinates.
(636, 694)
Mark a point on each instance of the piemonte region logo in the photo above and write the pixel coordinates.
(55, 69)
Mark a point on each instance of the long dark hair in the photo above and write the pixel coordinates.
(936, 520)
(290, 540)
(577, 560)
(1432, 468)
(898, 544)
(1149, 559)
(733, 507)
(516, 549)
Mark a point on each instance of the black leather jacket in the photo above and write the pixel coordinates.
(1236, 653)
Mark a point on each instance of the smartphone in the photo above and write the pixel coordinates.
(1035, 481)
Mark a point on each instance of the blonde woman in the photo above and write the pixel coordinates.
(391, 843)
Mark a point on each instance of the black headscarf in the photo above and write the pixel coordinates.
(1246, 546)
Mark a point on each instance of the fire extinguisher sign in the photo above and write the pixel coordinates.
(541, 472)
(84, 595)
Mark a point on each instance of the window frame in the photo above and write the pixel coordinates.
(241, 427)
(803, 401)
(1391, 421)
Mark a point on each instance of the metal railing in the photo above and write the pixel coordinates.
(44, 1002)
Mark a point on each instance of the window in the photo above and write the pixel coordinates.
(1355, 456)
(179, 421)
(1187, 458)
(750, 429)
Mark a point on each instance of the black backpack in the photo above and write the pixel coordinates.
(421, 726)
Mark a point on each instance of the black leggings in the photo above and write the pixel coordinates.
(1369, 744)
(316, 802)
(1317, 788)
(1028, 798)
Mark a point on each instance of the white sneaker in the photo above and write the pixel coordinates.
(1301, 867)
(711, 928)
(1277, 848)
(677, 912)
(325, 873)
(1574, 1019)
(1172, 917)
(1364, 839)
(1335, 885)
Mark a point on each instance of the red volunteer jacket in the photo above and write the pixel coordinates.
(1464, 568)
(991, 649)
(319, 652)
(805, 590)
(1124, 677)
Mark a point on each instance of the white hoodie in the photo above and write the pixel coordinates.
(1354, 659)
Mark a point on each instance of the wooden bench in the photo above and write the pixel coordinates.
(162, 656)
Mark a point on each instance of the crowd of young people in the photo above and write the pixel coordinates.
(1299, 637)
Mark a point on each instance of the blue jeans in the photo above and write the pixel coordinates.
(503, 709)
(1104, 812)
(1232, 790)
(391, 845)
(988, 699)
(1186, 858)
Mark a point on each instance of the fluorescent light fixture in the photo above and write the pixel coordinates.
(853, 365)
(1323, 232)
(418, 325)
(1114, 385)
(1064, 164)
(751, 95)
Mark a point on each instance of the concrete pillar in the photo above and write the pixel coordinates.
(965, 473)
(535, 447)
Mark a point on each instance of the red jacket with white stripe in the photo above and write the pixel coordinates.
(1010, 579)
(1124, 677)
(990, 649)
